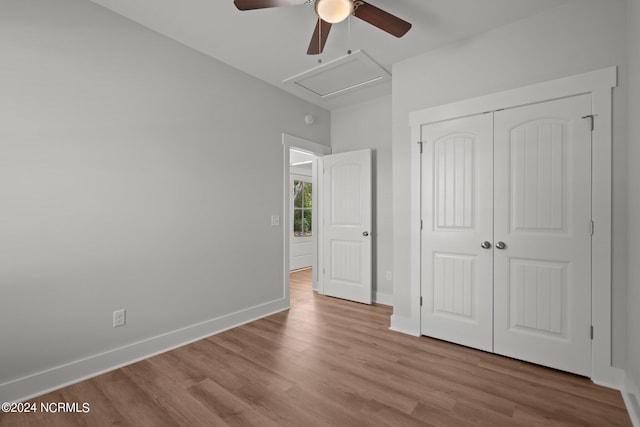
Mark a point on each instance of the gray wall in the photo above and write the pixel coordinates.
(368, 125)
(633, 158)
(120, 185)
(560, 42)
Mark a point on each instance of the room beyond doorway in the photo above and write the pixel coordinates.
(303, 232)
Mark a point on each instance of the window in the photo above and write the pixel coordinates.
(302, 196)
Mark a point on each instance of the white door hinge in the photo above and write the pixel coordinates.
(421, 224)
(593, 227)
(592, 118)
(591, 331)
(420, 143)
(420, 301)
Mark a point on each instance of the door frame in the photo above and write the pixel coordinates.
(599, 84)
(319, 150)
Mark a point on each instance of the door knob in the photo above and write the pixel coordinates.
(500, 245)
(365, 233)
(485, 245)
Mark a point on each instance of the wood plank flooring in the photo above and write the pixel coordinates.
(330, 362)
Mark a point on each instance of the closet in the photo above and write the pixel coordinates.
(507, 232)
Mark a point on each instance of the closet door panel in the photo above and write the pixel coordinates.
(457, 217)
(542, 282)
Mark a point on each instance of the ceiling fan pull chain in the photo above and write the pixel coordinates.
(349, 35)
(319, 40)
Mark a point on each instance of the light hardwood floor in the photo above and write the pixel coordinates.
(331, 362)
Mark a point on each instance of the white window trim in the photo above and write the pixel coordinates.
(599, 84)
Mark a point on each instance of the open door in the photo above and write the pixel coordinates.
(346, 225)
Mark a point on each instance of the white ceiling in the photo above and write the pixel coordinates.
(271, 44)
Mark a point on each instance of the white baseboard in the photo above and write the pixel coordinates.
(609, 377)
(631, 396)
(382, 298)
(55, 378)
(403, 324)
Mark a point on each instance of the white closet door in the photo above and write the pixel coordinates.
(346, 212)
(457, 212)
(542, 282)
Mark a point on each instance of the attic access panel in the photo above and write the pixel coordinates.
(342, 75)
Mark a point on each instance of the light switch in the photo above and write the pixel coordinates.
(275, 220)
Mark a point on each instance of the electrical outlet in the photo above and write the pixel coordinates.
(119, 318)
(275, 220)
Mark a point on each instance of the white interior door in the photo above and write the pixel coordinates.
(346, 225)
(543, 217)
(457, 199)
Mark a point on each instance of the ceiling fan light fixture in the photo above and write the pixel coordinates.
(334, 11)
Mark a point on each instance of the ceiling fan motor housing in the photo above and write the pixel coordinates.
(334, 11)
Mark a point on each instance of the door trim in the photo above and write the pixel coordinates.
(288, 142)
(599, 84)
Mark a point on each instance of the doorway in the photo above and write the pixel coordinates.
(342, 196)
(300, 164)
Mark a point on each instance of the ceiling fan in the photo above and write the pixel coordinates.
(333, 11)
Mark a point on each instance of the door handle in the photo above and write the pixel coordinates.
(365, 233)
(501, 245)
(485, 245)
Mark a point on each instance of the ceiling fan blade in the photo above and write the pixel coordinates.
(319, 38)
(381, 19)
(263, 4)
